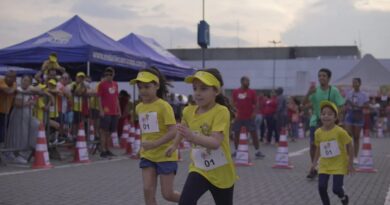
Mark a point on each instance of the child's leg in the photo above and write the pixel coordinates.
(196, 185)
(338, 183)
(167, 191)
(222, 196)
(323, 188)
(149, 176)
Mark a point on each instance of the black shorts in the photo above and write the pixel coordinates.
(77, 117)
(109, 123)
(249, 124)
(95, 114)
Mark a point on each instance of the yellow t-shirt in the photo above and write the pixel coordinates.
(53, 108)
(39, 107)
(217, 119)
(77, 100)
(94, 100)
(336, 164)
(154, 119)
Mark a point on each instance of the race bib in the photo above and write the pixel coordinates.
(208, 159)
(149, 122)
(329, 149)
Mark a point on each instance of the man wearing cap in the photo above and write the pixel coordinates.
(244, 99)
(78, 91)
(7, 94)
(314, 96)
(109, 110)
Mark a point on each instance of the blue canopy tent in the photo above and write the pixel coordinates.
(79, 46)
(19, 70)
(159, 57)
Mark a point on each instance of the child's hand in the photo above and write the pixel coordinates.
(351, 169)
(314, 165)
(147, 145)
(170, 150)
(185, 132)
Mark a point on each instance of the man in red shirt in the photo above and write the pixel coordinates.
(109, 110)
(244, 99)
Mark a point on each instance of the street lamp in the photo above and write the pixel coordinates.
(203, 35)
(274, 61)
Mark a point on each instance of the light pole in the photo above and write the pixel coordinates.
(274, 62)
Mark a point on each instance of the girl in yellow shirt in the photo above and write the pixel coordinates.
(206, 125)
(334, 151)
(158, 129)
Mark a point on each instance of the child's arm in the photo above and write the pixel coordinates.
(211, 142)
(316, 157)
(350, 159)
(147, 145)
(173, 147)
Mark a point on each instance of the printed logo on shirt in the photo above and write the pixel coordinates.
(242, 96)
(111, 90)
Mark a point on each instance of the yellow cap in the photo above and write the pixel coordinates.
(52, 59)
(80, 74)
(145, 77)
(329, 104)
(206, 77)
(52, 81)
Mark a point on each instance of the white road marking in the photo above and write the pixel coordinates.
(387, 200)
(299, 152)
(63, 166)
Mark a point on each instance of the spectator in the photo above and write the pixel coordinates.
(124, 99)
(79, 90)
(244, 99)
(109, 110)
(269, 111)
(281, 113)
(23, 127)
(354, 118)
(260, 120)
(315, 96)
(293, 114)
(7, 94)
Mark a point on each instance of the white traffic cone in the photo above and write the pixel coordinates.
(242, 153)
(41, 156)
(366, 163)
(137, 143)
(281, 159)
(125, 135)
(81, 151)
(301, 131)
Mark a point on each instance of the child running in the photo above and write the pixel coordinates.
(158, 128)
(206, 125)
(335, 153)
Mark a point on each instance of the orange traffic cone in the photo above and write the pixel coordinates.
(301, 131)
(281, 159)
(81, 151)
(137, 143)
(242, 153)
(125, 135)
(114, 142)
(41, 156)
(366, 164)
(380, 129)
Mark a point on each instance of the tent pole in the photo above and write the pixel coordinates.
(88, 69)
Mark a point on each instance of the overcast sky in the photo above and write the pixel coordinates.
(243, 23)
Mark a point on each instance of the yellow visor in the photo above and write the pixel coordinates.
(207, 78)
(329, 104)
(53, 59)
(145, 77)
(80, 74)
(53, 82)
